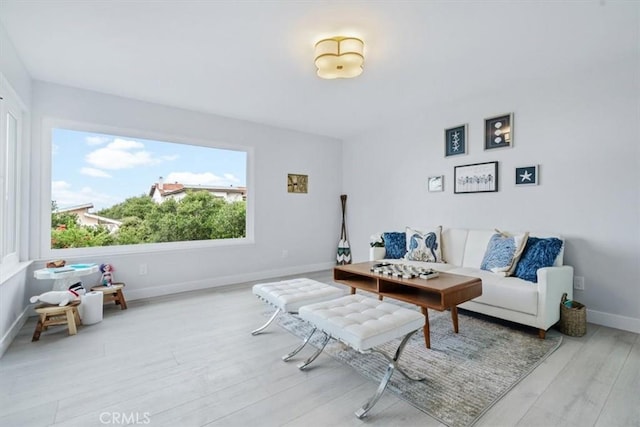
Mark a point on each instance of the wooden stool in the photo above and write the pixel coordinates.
(112, 293)
(50, 315)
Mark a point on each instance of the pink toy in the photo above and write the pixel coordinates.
(107, 274)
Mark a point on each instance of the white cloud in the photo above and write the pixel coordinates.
(121, 154)
(125, 144)
(96, 140)
(64, 196)
(98, 173)
(231, 177)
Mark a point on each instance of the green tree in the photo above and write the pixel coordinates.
(79, 236)
(139, 207)
(161, 222)
(64, 218)
(133, 231)
(230, 221)
(198, 216)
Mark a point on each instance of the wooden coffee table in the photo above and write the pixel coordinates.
(440, 293)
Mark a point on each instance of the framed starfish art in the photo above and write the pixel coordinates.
(455, 140)
(527, 175)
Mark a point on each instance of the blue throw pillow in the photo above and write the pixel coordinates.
(503, 251)
(395, 245)
(538, 253)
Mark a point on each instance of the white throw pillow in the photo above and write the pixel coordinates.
(424, 245)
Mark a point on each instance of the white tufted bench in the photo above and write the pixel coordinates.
(363, 323)
(289, 295)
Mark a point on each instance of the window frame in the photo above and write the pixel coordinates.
(50, 123)
(11, 199)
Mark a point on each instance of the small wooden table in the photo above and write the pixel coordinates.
(112, 293)
(440, 293)
(49, 315)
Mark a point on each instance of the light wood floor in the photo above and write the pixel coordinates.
(190, 360)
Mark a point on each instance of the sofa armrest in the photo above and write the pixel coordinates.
(552, 283)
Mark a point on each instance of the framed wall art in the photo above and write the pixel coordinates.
(436, 183)
(475, 178)
(527, 175)
(498, 132)
(455, 140)
(297, 183)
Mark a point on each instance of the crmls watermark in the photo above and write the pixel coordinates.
(125, 418)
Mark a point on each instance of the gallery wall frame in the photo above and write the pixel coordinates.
(297, 183)
(475, 178)
(455, 140)
(527, 175)
(498, 132)
(435, 183)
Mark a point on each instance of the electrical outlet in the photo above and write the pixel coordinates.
(142, 270)
(578, 283)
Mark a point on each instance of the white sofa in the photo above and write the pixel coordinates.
(509, 298)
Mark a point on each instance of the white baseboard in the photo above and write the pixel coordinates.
(213, 282)
(7, 339)
(614, 321)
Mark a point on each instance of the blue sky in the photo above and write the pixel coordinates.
(106, 169)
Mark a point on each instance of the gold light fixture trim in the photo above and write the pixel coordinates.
(339, 57)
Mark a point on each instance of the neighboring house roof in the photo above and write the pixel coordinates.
(170, 189)
(85, 206)
(103, 219)
(166, 189)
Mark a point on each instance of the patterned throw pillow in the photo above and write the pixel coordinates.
(503, 252)
(538, 253)
(395, 244)
(424, 246)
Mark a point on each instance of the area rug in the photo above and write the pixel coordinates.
(466, 373)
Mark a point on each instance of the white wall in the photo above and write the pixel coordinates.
(13, 69)
(581, 129)
(13, 284)
(306, 225)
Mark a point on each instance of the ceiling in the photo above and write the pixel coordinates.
(253, 60)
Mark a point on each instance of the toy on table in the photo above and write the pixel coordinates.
(61, 298)
(107, 274)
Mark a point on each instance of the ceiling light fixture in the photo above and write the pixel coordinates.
(339, 57)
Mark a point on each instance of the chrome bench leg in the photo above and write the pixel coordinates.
(288, 356)
(362, 412)
(313, 357)
(263, 327)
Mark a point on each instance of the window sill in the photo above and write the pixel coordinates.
(7, 272)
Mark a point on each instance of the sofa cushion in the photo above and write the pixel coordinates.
(453, 243)
(538, 253)
(475, 247)
(503, 252)
(511, 293)
(424, 246)
(395, 244)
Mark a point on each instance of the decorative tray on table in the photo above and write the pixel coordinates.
(404, 271)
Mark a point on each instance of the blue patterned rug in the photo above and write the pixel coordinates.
(466, 373)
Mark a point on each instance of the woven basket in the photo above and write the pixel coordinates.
(573, 319)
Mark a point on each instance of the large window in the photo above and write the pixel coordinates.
(110, 190)
(10, 138)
